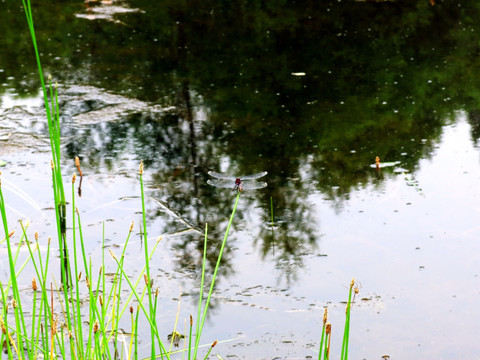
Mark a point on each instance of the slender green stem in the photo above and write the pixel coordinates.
(346, 332)
(200, 296)
(199, 332)
(13, 278)
(147, 265)
(321, 343)
(139, 299)
(77, 314)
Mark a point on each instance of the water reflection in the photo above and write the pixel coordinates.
(190, 88)
(229, 74)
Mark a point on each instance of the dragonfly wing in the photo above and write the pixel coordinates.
(221, 183)
(221, 176)
(254, 176)
(252, 185)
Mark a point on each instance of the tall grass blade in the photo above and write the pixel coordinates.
(202, 320)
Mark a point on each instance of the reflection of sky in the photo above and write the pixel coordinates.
(414, 251)
(417, 250)
(9, 100)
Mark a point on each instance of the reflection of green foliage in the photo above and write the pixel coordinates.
(381, 79)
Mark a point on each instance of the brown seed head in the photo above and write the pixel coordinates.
(112, 254)
(34, 284)
(328, 328)
(70, 335)
(36, 235)
(156, 292)
(74, 177)
(95, 327)
(51, 164)
(79, 276)
(140, 171)
(77, 161)
(4, 329)
(131, 227)
(131, 309)
(325, 315)
(100, 299)
(191, 320)
(54, 327)
(14, 303)
(11, 233)
(352, 283)
(145, 278)
(100, 271)
(49, 239)
(214, 343)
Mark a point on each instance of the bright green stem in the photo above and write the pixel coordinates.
(208, 353)
(11, 263)
(321, 343)
(190, 337)
(199, 331)
(77, 315)
(149, 287)
(326, 351)
(200, 296)
(346, 332)
(147, 314)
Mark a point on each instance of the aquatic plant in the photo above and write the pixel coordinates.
(324, 347)
(88, 328)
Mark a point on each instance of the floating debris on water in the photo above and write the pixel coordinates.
(378, 164)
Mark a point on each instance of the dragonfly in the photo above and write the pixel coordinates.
(247, 182)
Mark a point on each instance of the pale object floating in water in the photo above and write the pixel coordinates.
(379, 164)
(386, 164)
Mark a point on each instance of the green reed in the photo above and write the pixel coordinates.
(324, 348)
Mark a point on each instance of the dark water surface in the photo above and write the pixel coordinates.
(311, 92)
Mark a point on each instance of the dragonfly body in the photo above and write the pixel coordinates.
(247, 182)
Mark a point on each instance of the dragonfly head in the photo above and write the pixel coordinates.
(238, 184)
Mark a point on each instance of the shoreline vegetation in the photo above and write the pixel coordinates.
(80, 316)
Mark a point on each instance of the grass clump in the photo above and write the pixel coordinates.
(324, 348)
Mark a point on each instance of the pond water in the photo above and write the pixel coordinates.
(311, 93)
